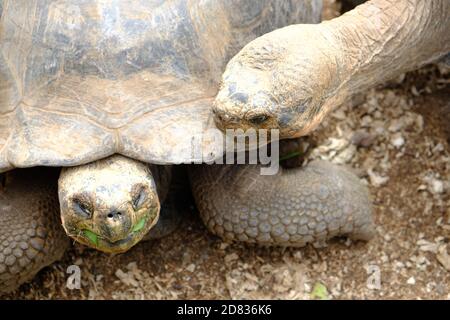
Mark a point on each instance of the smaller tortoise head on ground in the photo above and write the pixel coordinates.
(117, 206)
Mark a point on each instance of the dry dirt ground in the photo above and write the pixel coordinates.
(396, 137)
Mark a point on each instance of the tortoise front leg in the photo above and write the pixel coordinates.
(292, 208)
(31, 235)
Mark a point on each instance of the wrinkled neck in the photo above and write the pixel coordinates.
(384, 38)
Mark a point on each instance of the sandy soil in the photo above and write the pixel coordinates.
(396, 136)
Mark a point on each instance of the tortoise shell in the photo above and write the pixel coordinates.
(82, 80)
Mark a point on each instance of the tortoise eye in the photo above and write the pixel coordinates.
(259, 119)
(139, 198)
(81, 208)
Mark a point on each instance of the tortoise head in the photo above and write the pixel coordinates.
(109, 204)
(284, 80)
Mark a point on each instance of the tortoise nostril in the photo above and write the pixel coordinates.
(223, 117)
(114, 215)
(258, 119)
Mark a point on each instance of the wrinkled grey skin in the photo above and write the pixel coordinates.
(291, 78)
(85, 81)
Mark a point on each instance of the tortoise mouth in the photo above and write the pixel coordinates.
(122, 241)
(118, 246)
(137, 232)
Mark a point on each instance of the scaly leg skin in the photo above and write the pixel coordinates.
(292, 208)
(31, 235)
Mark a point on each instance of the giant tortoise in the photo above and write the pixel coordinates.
(112, 94)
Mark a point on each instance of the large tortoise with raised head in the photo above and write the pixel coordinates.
(291, 78)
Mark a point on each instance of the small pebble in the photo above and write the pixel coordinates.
(362, 138)
(191, 267)
(397, 141)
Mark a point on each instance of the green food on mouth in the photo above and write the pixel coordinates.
(290, 155)
(141, 223)
(91, 236)
(94, 237)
